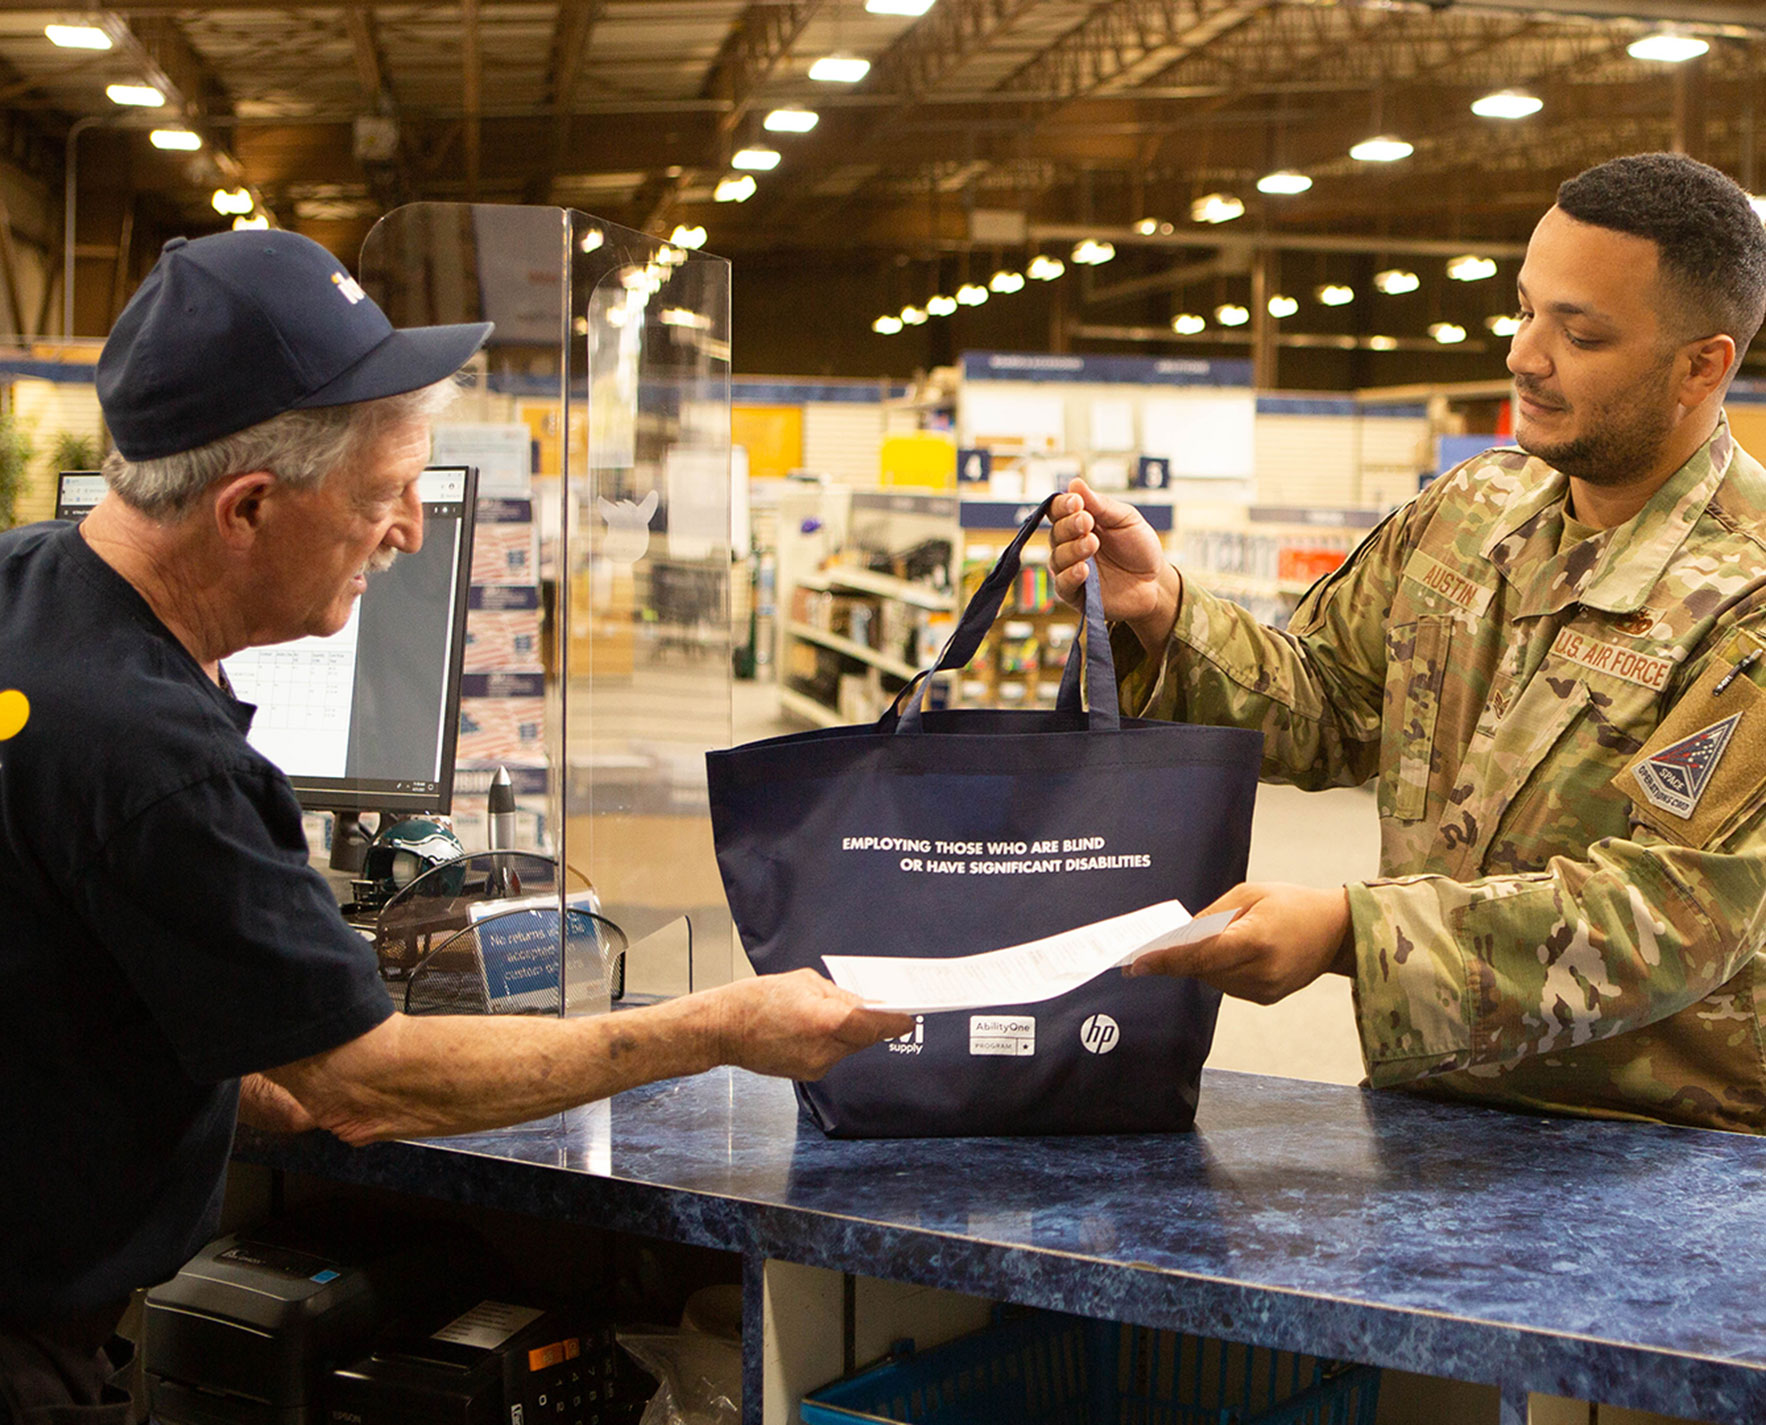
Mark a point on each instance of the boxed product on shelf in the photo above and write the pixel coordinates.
(502, 717)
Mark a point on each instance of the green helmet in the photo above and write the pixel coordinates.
(400, 853)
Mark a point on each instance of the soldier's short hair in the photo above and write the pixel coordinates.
(1711, 242)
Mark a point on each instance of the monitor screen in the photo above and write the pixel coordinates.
(366, 719)
(76, 491)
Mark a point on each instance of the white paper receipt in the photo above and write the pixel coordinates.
(1021, 974)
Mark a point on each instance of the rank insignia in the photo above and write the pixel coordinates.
(1676, 777)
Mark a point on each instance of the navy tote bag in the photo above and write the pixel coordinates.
(950, 833)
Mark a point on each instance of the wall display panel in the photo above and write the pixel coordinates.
(1206, 437)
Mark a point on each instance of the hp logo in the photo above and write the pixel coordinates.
(1099, 1034)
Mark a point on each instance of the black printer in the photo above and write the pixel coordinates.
(250, 1330)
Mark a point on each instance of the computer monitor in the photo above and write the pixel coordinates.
(76, 491)
(367, 719)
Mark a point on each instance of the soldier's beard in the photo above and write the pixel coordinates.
(1621, 438)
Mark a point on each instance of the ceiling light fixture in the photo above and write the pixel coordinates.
(1044, 268)
(1231, 314)
(1471, 269)
(1395, 281)
(898, 7)
(971, 294)
(1507, 104)
(1005, 280)
(1382, 343)
(77, 36)
(1758, 204)
(1667, 47)
(176, 140)
(1505, 325)
(913, 316)
(886, 325)
(755, 160)
(1188, 323)
(141, 96)
(1284, 181)
(1335, 294)
(839, 69)
(1092, 253)
(1382, 149)
(790, 121)
(1282, 306)
(257, 223)
(1216, 208)
(1147, 227)
(1447, 333)
(227, 201)
(687, 237)
(941, 305)
(734, 190)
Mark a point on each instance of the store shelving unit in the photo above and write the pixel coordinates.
(1267, 560)
(845, 641)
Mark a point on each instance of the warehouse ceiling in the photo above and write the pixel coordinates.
(984, 130)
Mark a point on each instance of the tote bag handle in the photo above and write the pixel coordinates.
(1092, 654)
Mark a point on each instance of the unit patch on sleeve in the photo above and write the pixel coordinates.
(1703, 770)
(1676, 777)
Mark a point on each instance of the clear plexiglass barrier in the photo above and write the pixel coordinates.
(598, 651)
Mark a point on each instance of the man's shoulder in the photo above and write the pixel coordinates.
(1476, 491)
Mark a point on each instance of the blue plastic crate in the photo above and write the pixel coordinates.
(1044, 1368)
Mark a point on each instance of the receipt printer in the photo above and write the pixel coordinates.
(250, 1330)
(497, 1362)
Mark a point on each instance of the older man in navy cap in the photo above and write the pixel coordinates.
(169, 960)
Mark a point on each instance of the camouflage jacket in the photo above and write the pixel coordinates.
(1570, 749)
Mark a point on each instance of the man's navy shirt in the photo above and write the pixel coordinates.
(161, 935)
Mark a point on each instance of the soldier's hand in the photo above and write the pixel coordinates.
(796, 1026)
(1139, 585)
(1285, 939)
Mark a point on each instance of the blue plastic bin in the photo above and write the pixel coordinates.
(1044, 1368)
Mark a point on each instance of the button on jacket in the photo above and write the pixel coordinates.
(1569, 741)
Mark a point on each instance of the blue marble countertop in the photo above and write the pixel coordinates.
(1613, 1262)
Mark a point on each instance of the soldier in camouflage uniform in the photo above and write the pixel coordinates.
(1554, 665)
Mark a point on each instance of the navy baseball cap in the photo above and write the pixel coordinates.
(229, 330)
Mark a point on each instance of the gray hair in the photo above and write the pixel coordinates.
(299, 447)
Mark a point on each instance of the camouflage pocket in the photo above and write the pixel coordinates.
(1420, 656)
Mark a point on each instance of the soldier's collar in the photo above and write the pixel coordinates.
(1636, 552)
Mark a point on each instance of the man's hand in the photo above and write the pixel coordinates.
(1139, 586)
(796, 1026)
(267, 1105)
(1286, 938)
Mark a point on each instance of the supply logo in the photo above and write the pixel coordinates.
(1100, 1034)
(348, 285)
(1676, 777)
(15, 712)
(913, 1041)
(1002, 1035)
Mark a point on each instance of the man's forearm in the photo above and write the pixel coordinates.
(423, 1077)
